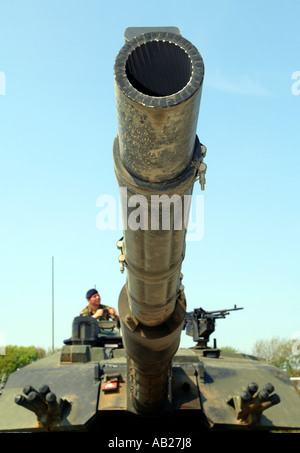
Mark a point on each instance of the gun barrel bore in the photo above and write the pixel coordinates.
(159, 68)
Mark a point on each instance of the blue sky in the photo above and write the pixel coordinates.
(57, 125)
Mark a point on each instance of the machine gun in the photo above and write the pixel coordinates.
(200, 324)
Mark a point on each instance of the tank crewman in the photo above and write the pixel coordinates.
(97, 310)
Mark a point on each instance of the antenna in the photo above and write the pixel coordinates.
(52, 303)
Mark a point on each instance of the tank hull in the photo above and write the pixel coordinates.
(198, 395)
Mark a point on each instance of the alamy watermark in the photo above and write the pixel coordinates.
(155, 212)
(296, 84)
(296, 344)
(2, 84)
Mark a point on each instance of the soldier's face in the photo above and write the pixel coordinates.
(95, 300)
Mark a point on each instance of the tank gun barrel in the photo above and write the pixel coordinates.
(157, 158)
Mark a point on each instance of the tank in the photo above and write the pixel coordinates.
(132, 377)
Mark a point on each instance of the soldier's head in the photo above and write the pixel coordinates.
(93, 297)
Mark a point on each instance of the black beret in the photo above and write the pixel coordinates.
(91, 292)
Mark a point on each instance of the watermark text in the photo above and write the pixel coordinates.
(296, 84)
(296, 343)
(2, 84)
(155, 212)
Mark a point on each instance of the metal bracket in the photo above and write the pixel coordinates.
(251, 403)
(122, 260)
(49, 409)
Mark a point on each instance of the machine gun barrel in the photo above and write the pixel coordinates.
(219, 313)
(157, 155)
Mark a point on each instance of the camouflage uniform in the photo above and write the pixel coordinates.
(87, 311)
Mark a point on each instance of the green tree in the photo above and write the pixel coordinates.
(18, 356)
(280, 353)
(229, 349)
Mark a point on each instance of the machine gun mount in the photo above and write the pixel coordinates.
(200, 324)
